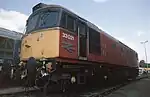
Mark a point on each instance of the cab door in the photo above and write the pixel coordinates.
(82, 41)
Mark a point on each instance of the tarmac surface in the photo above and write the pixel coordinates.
(140, 88)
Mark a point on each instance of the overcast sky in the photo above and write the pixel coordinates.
(127, 20)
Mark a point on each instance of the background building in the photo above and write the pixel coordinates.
(9, 45)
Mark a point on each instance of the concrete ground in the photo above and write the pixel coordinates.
(140, 88)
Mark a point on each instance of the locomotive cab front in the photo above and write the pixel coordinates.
(42, 36)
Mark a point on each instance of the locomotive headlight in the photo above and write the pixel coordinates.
(73, 79)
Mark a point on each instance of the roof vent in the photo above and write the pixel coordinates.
(38, 6)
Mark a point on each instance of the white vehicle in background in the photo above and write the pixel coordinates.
(141, 71)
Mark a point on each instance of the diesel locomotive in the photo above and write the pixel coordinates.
(61, 47)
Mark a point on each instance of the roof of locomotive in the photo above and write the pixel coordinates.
(43, 6)
(91, 25)
(10, 34)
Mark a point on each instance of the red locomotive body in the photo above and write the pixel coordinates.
(77, 49)
(111, 50)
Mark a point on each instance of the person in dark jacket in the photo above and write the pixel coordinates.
(31, 71)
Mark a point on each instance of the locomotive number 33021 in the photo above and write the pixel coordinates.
(68, 36)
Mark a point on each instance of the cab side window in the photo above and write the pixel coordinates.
(82, 28)
(63, 21)
(68, 22)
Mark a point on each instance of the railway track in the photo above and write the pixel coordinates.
(109, 90)
(35, 92)
(103, 92)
